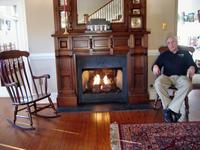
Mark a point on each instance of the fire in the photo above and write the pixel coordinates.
(106, 80)
(102, 80)
(97, 79)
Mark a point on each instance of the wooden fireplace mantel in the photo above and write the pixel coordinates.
(132, 42)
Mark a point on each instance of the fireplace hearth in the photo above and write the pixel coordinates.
(102, 79)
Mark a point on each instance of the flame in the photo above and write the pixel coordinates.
(106, 80)
(97, 79)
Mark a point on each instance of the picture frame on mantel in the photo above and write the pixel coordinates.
(136, 1)
(136, 11)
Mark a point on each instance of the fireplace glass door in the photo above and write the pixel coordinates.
(101, 79)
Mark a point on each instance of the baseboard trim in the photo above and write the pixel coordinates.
(153, 53)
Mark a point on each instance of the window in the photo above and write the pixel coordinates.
(188, 30)
(13, 32)
(12, 28)
(8, 27)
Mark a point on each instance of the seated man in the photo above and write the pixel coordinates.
(178, 66)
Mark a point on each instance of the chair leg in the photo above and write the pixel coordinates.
(15, 114)
(187, 108)
(29, 115)
(35, 107)
(156, 102)
(52, 105)
(22, 125)
(49, 105)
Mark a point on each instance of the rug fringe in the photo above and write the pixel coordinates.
(114, 136)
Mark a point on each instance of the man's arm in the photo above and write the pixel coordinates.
(191, 71)
(156, 70)
(157, 65)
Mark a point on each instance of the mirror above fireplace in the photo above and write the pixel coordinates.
(122, 15)
(111, 10)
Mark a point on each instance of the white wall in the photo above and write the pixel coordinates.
(159, 12)
(40, 26)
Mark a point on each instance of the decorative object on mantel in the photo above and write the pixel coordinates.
(98, 25)
(136, 22)
(136, 1)
(66, 18)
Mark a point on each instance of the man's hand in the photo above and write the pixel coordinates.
(156, 70)
(191, 71)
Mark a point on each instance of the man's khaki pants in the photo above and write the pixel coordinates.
(183, 85)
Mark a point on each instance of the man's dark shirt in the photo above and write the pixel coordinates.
(175, 64)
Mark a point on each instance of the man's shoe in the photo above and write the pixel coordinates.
(167, 114)
(175, 116)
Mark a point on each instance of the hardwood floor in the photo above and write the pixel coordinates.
(76, 130)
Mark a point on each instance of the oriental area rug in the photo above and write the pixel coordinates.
(155, 136)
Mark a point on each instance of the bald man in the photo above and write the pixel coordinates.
(178, 66)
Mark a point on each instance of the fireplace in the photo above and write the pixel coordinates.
(102, 79)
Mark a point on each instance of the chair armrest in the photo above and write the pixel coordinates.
(187, 48)
(41, 76)
(196, 81)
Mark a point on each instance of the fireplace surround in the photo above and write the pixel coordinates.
(125, 38)
(117, 63)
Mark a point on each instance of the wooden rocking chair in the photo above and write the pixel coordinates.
(24, 88)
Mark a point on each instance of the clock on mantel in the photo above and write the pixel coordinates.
(137, 15)
(127, 36)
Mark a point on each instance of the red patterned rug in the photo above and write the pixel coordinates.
(155, 136)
